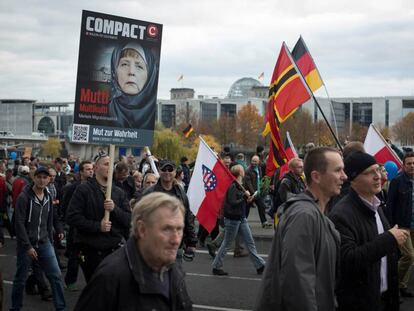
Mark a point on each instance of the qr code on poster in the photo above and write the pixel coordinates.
(80, 133)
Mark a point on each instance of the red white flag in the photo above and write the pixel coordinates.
(376, 146)
(290, 152)
(208, 186)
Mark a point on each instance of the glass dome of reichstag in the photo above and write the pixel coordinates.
(241, 87)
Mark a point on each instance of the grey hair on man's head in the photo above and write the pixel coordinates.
(149, 204)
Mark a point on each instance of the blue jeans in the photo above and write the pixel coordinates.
(231, 228)
(47, 261)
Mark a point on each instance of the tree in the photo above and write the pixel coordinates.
(323, 136)
(168, 145)
(250, 125)
(403, 130)
(51, 148)
(211, 142)
(385, 131)
(359, 132)
(300, 127)
(225, 129)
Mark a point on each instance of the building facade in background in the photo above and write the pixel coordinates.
(36, 121)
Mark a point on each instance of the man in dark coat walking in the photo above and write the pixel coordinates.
(96, 237)
(400, 211)
(369, 248)
(143, 275)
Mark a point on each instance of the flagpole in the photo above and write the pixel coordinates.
(326, 120)
(313, 96)
(212, 151)
(291, 143)
(323, 83)
(386, 144)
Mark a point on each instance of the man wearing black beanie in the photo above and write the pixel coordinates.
(369, 247)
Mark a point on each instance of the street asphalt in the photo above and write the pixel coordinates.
(235, 292)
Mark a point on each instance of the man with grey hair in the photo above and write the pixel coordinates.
(252, 182)
(143, 274)
(292, 183)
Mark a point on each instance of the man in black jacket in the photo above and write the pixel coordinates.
(143, 275)
(292, 183)
(400, 211)
(252, 182)
(369, 247)
(85, 172)
(60, 182)
(95, 237)
(124, 180)
(167, 184)
(35, 218)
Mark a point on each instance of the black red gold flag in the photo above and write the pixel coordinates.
(187, 131)
(287, 91)
(277, 156)
(306, 65)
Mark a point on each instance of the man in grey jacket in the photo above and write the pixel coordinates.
(35, 220)
(301, 270)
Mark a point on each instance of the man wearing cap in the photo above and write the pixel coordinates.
(369, 247)
(167, 184)
(34, 222)
(94, 236)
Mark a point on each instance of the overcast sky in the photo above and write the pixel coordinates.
(362, 48)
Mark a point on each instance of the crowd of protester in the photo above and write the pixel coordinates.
(343, 238)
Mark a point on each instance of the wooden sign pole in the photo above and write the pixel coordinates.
(110, 175)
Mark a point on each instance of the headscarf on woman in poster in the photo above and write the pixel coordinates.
(134, 84)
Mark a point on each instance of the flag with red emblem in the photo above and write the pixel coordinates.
(208, 186)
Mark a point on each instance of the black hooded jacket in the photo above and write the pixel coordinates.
(35, 220)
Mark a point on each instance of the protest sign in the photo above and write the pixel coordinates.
(117, 80)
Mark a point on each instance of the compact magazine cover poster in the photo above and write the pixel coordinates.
(117, 80)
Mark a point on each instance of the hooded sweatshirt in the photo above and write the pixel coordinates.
(34, 219)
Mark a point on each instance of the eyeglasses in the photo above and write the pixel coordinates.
(167, 169)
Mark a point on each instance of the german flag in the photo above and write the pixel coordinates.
(306, 65)
(187, 131)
